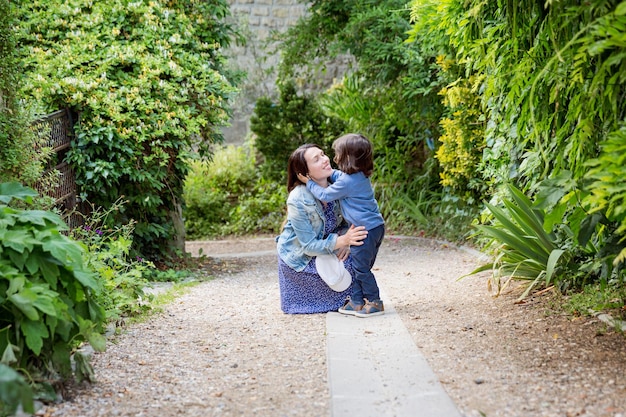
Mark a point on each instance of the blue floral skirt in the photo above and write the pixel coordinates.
(305, 292)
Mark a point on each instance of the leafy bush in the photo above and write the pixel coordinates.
(553, 241)
(550, 81)
(149, 82)
(212, 188)
(226, 196)
(586, 233)
(281, 127)
(262, 209)
(48, 294)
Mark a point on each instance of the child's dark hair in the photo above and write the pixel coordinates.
(353, 153)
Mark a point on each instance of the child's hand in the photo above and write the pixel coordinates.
(303, 178)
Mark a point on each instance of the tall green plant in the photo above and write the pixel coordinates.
(552, 79)
(523, 250)
(47, 294)
(151, 87)
(550, 99)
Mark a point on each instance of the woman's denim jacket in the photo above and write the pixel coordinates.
(302, 237)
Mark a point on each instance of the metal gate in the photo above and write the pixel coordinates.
(58, 130)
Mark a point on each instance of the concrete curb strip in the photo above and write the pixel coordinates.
(375, 369)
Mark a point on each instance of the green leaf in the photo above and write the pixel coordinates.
(519, 243)
(63, 328)
(61, 356)
(96, 311)
(14, 391)
(45, 301)
(84, 370)
(25, 301)
(19, 240)
(555, 216)
(552, 261)
(552, 190)
(35, 332)
(88, 279)
(588, 227)
(16, 284)
(8, 272)
(50, 271)
(64, 250)
(41, 218)
(10, 190)
(32, 263)
(8, 356)
(531, 219)
(97, 341)
(18, 259)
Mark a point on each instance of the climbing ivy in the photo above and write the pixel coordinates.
(149, 82)
(19, 157)
(550, 98)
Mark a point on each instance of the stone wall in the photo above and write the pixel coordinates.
(257, 19)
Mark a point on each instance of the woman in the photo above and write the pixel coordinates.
(313, 228)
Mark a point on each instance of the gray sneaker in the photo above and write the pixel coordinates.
(371, 308)
(350, 308)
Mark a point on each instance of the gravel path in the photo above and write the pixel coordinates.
(225, 349)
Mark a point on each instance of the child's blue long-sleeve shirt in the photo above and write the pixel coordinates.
(356, 196)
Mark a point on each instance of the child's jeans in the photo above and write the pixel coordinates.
(363, 258)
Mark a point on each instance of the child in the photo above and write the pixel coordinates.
(351, 185)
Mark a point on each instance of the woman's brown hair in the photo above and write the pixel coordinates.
(297, 165)
(353, 153)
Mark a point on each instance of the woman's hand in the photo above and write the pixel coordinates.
(342, 253)
(353, 237)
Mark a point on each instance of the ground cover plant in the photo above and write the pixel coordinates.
(123, 276)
